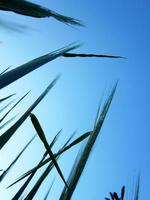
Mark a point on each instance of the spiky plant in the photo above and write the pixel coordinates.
(8, 76)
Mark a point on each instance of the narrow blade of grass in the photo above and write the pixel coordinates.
(45, 174)
(137, 189)
(4, 138)
(41, 135)
(81, 160)
(23, 187)
(83, 55)
(115, 196)
(42, 177)
(6, 106)
(4, 71)
(5, 98)
(7, 122)
(48, 192)
(17, 73)
(34, 10)
(3, 175)
(37, 185)
(123, 193)
(55, 139)
(62, 150)
(13, 106)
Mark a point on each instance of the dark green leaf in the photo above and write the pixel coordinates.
(47, 194)
(4, 71)
(3, 175)
(34, 10)
(23, 187)
(41, 135)
(5, 98)
(14, 106)
(81, 160)
(4, 138)
(83, 55)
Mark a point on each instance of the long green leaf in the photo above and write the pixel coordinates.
(42, 163)
(28, 67)
(44, 175)
(4, 138)
(23, 187)
(5, 98)
(7, 122)
(41, 135)
(3, 175)
(81, 160)
(6, 106)
(47, 194)
(13, 106)
(54, 140)
(137, 189)
(34, 10)
(4, 71)
(83, 55)
(37, 185)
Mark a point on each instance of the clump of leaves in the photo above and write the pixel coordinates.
(8, 76)
(115, 196)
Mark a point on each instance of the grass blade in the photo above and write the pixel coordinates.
(5, 98)
(44, 175)
(13, 107)
(19, 72)
(7, 122)
(81, 160)
(63, 149)
(23, 187)
(55, 139)
(137, 189)
(3, 175)
(123, 193)
(34, 10)
(4, 138)
(4, 71)
(47, 194)
(41, 135)
(37, 185)
(6, 106)
(83, 55)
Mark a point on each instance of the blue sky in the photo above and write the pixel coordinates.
(118, 28)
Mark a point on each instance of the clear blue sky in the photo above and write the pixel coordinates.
(122, 150)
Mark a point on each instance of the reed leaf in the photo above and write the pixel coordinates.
(3, 175)
(37, 185)
(83, 55)
(54, 139)
(34, 10)
(41, 135)
(137, 189)
(4, 138)
(81, 160)
(7, 122)
(13, 106)
(17, 73)
(6, 106)
(23, 187)
(115, 196)
(44, 175)
(42, 163)
(123, 193)
(48, 191)
(4, 71)
(5, 98)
